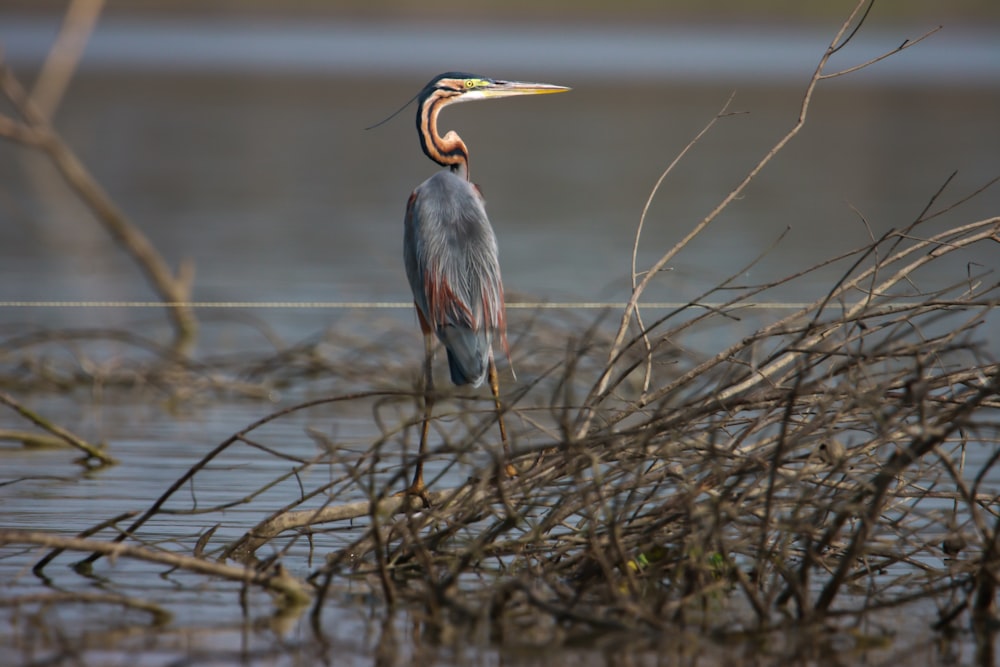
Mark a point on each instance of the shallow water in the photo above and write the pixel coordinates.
(253, 164)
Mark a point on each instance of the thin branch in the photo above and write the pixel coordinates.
(93, 452)
(57, 72)
(902, 47)
(726, 201)
(294, 590)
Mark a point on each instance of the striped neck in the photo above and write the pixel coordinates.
(449, 150)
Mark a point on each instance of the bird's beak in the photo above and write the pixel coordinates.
(510, 88)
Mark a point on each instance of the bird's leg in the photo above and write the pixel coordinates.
(417, 488)
(495, 388)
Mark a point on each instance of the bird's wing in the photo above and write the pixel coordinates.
(451, 261)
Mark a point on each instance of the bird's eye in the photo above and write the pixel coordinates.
(469, 83)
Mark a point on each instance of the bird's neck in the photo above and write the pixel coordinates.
(447, 151)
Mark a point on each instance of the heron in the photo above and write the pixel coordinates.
(450, 253)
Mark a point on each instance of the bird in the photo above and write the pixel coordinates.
(450, 252)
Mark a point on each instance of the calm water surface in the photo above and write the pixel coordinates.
(243, 150)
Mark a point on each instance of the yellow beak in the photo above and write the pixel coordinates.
(499, 89)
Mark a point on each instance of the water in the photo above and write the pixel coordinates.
(664, 51)
(264, 177)
(240, 146)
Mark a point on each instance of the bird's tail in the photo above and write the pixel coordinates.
(468, 354)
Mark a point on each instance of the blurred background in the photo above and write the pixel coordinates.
(232, 133)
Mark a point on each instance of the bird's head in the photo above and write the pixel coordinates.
(449, 88)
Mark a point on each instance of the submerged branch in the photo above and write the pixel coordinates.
(93, 452)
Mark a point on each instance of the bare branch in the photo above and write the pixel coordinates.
(292, 589)
(175, 291)
(93, 452)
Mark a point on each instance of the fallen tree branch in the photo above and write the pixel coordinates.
(293, 590)
(441, 503)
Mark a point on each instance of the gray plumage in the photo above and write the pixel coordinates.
(450, 253)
